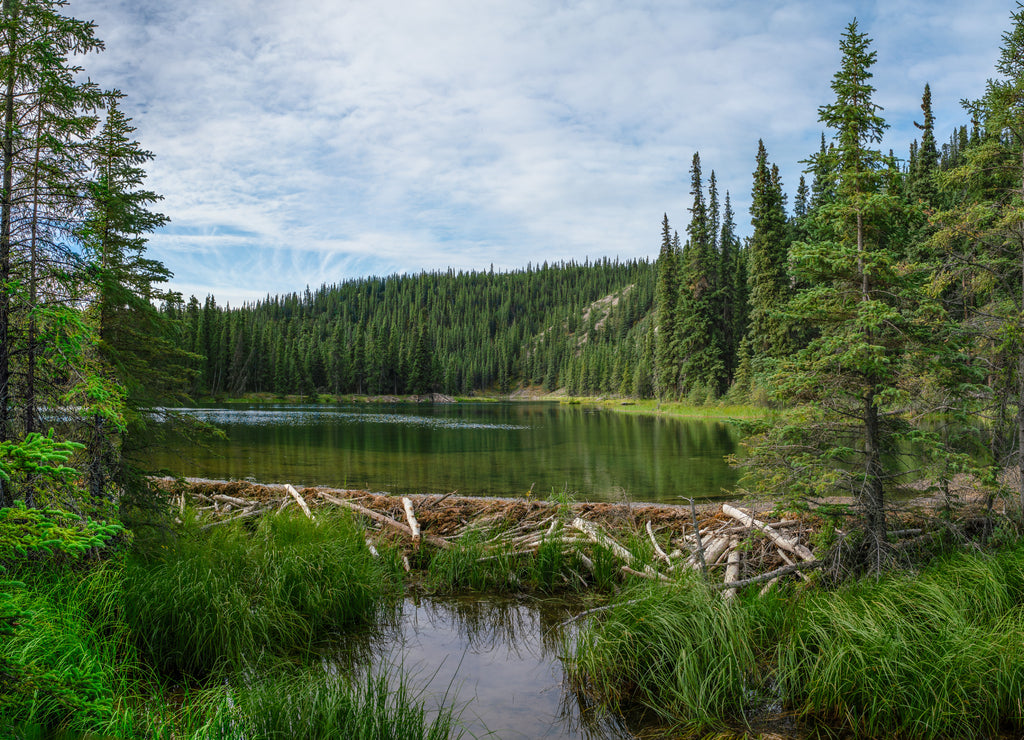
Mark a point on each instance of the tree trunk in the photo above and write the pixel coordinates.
(6, 207)
(872, 492)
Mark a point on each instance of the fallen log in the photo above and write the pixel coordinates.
(597, 536)
(382, 519)
(299, 500)
(239, 502)
(783, 542)
(785, 570)
(657, 548)
(410, 516)
(243, 515)
(732, 572)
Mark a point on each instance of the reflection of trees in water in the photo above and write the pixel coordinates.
(594, 453)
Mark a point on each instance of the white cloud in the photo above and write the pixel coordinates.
(312, 142)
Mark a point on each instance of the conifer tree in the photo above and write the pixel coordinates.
(875, 318)
(666, 302)
(699, 342)
(768, 252)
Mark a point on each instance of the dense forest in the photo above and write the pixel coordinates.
(585, 328)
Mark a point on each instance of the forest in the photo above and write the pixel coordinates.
(877, 325)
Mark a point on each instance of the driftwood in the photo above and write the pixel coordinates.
(786, 570)
(299, 500)
(783, 542)
(732, 571)
(410, 516)
(597, 536)
(657, 548)
(382, 519)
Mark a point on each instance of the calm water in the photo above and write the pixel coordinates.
(485, 449)
(494, 661)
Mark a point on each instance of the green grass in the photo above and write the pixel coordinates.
(313, 704)
(225, 597)
(939, 654)
(71, 661)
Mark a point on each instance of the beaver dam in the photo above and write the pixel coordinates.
(736, 546)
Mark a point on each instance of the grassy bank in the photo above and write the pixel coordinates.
(650, 406)
(939, 654)
(232, 613)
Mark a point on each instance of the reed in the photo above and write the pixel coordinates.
(933, 656)
(71, 659)
(224, 597)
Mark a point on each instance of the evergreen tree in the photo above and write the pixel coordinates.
(768, 336)
(876, 320)
(666, 301)
(700, 352)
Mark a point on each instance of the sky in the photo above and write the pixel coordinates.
(311, 142)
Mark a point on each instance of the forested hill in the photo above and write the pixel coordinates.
(586, 327)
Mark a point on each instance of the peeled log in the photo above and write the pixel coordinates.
(410, 516)
(299, 500)
(385, 520)
(783, 542)
(596, 535)
(732, 572)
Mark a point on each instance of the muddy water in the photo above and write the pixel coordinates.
(496, 661)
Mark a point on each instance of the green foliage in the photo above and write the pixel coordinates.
(223, 597)
(31, 532)
(679, 651)
(70, 660)
(38, 455)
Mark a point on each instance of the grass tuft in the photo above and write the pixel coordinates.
(222, 598)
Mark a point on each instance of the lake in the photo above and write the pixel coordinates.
(477, 449)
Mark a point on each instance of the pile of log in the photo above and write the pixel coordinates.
(729, 545)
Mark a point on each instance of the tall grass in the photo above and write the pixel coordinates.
(72, 660)
(936, 655)
(680, 651)
(225, 597)
(939, 655)
(314, 704)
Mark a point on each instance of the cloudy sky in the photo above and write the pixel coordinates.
(309, 142)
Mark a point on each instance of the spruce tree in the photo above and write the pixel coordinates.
(768, 252)
(876, 321)
(666, 306)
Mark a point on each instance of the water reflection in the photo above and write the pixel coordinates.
(495, 660)
(491, 449)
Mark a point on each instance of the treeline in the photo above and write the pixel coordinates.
(584, 327)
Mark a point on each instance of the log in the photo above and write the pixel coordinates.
(382, 519)
(783, 542)
(285, 504)
(239, 502)
(596, 535)
(410, 516)
(785, 570)
(732, 572)
(243, 515)
(789, 561)
(299, 500)
(657, 548)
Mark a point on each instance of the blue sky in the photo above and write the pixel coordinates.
(307, 142)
